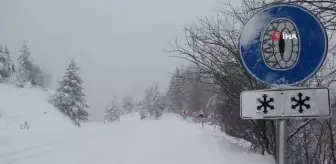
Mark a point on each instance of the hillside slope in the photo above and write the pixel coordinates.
(20, 105)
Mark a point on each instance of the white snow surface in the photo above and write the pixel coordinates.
(20, 105)
(253, 28)
(53, 140)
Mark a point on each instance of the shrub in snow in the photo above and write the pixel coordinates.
(25, 126)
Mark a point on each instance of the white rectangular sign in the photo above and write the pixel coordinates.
(285, 103)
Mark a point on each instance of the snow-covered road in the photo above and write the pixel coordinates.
(130, 141)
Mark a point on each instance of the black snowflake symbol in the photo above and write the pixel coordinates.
(265, 103)
(300, 102)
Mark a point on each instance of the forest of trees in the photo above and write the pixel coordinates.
(26, 73)
(186, 90)
(152, 105)
(69, 97)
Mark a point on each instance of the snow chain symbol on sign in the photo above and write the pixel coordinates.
(300, 102)
(278, 52)
(265, 103)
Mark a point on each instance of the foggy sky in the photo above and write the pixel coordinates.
(118, 44)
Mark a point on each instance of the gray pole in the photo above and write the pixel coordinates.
(281, 145)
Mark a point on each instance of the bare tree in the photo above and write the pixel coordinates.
(212, 44)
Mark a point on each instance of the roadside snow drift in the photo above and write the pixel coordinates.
(20, 105)
(129, 141)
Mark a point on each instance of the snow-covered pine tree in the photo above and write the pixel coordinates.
(128, 104)
(153, 103)
(25, 66)
(5, 63)
(112, 111)
(9, 67)
(69, 97)
(196, 91)
(2, 62)
(146, 104)
(40, 77)
(28, 72)
(175, 95)
(158, 105)
(143, 110)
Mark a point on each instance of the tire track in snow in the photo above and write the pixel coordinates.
(103, 149)
(36, 151)
(106, 149)
(28, 155)
(25, 150)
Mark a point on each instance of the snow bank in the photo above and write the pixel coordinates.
(20, 105)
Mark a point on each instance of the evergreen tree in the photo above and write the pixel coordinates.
(143, 110)
(128, 104)
(175, 95)
(25, 66)
(146, 104)
(30, 72)
(69, 97)
(40, 77)
(158, 105)
(112, 112)
(6, 65)
(10, 67)
(2, 62)
(196, 95)
(152, 104)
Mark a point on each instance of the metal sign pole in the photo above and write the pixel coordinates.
(281, 145)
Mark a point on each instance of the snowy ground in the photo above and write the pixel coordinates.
(52, 139)
(130, 141)
(20, 105)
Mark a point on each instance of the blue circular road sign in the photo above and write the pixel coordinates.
(283, 44)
